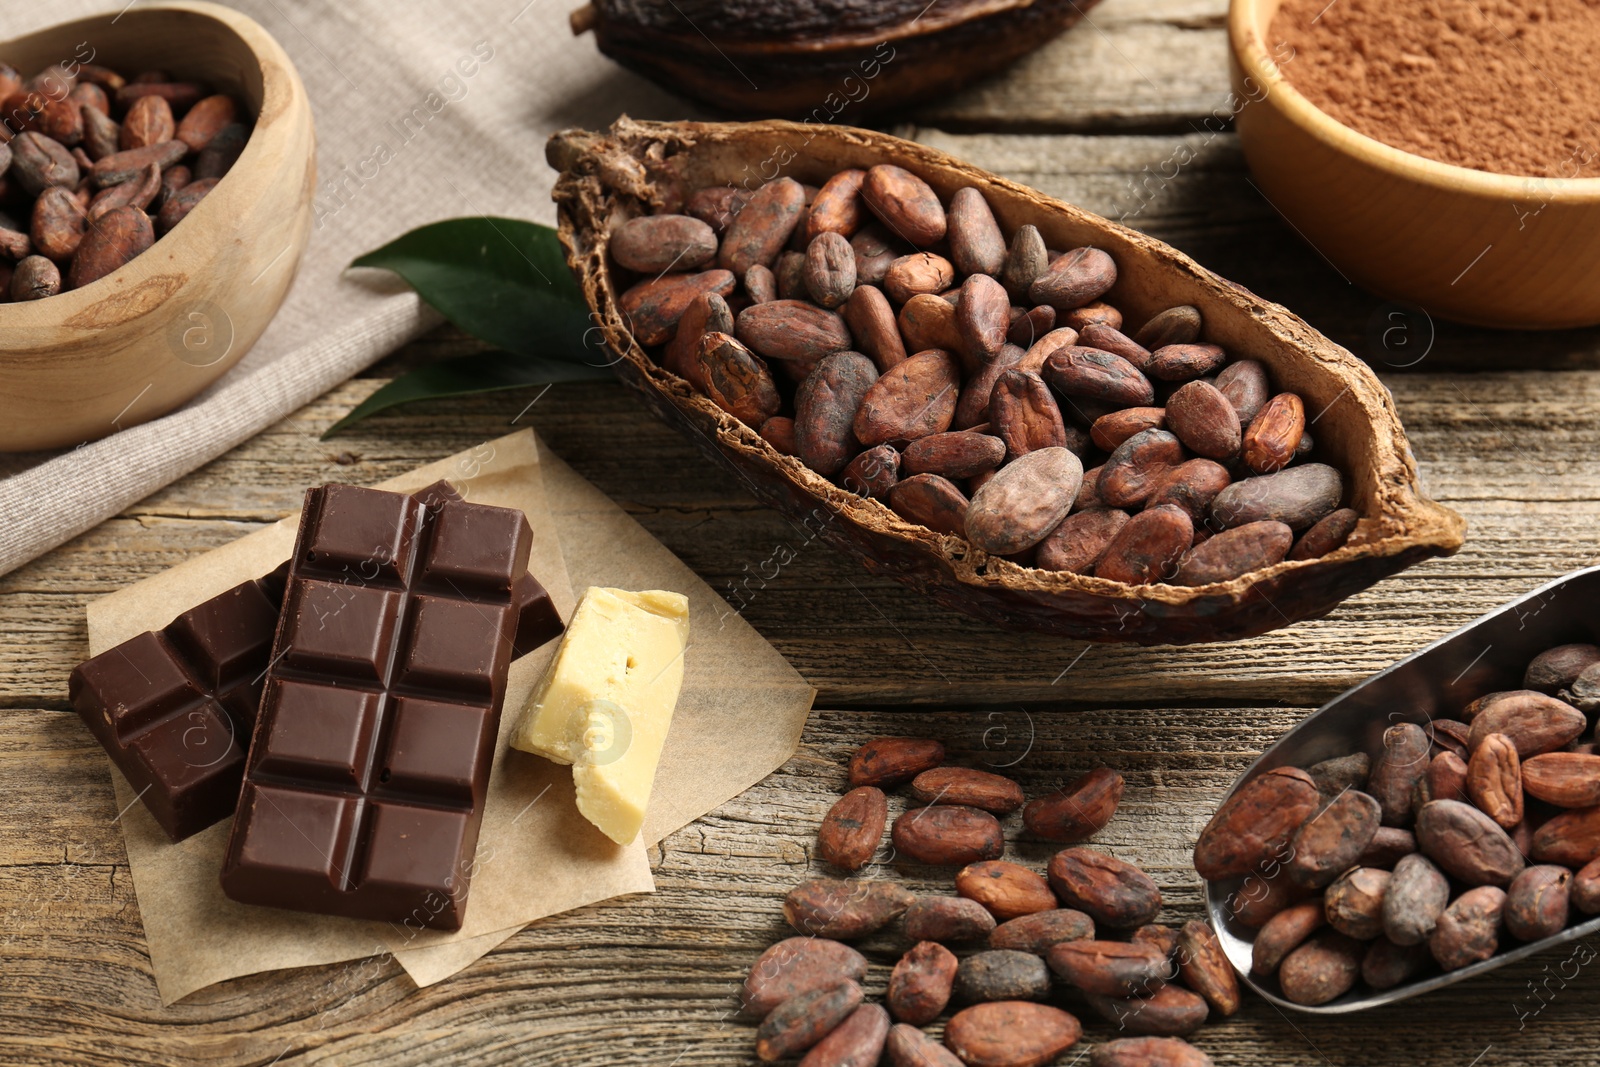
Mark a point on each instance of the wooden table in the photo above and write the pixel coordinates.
(653, 979)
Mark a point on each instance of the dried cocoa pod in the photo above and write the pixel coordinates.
(947, 835)
(872, 323)
(1182, 363)
(38, 162)
(1537, 902)
(717, 205)
(1296, 497)
(1024, 414)
(802, 1021)
(1111, 968)
(1024, 501)
(148, 121)
(905, 204)
(1388, 846)
(1322, 969)
(1192, 485)
(1037, 932)
(181, 95)
(1354, 902)
(1255, 824)
(738, 382)
(131, 165)
(1107, 338)
(909, 1047)
(1001, 975)
(874, 252)
(982, 319)
(1010, 1034)
(1204, 967)
(1447, 777)
(1329, 533)
(1260, 897)
(1078, 277)
(856, 1042)
(1494, 780)
(873, 473)
(706, 313)
(1283, 933)
(1148, 547)
(178, 207)
(853, 827)
(954, 454)
(929, 322)
(140, 194)
(653, 244)
(1332, 840)
(931, 501)
(1535, 723)
(58, 224)
(798, 965)
(918, 274)
(1026, 260)
(1170, 1011)
(920, 984)
(1204, 420)
(948, 919)
(844, 910)
(1557, 668)
(830, 272)
(1079, 810)
(914, 398)
(837, 206)
(825, 410)
(1174, 326)
(1571, 839)
(117, 238)
(762, 227)
(1566, 779)
(1416, 897)
(1469, 845)
(1110, 431)
(34, 279)
(1030, 325)
(1136, 465)
(1469, 930)
(1100, 376)
(651, 308)
(1334, 776)
(886, 762)
(1077, 544)
(976, 244)
(1270, 440)
(102, 136)
(1007, 890)
(790, 329)
(1147, 1052)
(964, 785)
(1235, 552)
(1110, 891)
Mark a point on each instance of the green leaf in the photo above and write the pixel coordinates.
(503, 281)
(485, 372)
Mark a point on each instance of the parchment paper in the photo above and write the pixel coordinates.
(741, 703)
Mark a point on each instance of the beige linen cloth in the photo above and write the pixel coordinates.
(367, 64)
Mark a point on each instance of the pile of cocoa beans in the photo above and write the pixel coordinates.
(1088, 921)
(94, 166)
(1459, 837)
(915, 354)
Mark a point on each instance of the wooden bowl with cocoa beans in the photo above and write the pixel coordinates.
(156, 199)
(1034, 415)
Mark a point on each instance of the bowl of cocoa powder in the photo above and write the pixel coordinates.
(1440, 152)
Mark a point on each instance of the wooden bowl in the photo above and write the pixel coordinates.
(1482, 248)
(140, 342)
(606, 180)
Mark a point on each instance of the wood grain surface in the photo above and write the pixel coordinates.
(652, 980)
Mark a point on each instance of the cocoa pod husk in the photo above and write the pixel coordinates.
(1283, 933)
(1148, 548)
(1075, 279)
(1416, 897)
(1354, 902)
(886, 762)
(1007, 890)
(1326, 535)
(914, 398)
(1089, 374)
(921, 983)
(853, 827)
(949, 919)
(209, 117)
(1078, 810)
(1469, 930)
(985, 790)
(706, 313)
(182, 203)
(873, 473)
(909, 1047)
(954, 454)
(830, 270)
(1235, 552)
(976, 243)
(1111, 968)
(803, 1020)
(1001, 975)
(1024, 414)
(1037, 932)
(844, 910)
(1204, 967)
(1494, 780)
(1112, 892)
(1331, 841)
(1024, 501)
(1026, 259)
(1469, 845)
(1192, 485)
(1270, 440)
(1537, 902)
(1334, 776)
(1204, 420)
(148, 121)
(1182, 363)
(792, 330)
(762, 227)
(652, 308)
(737, 381)
(1147, 1052)
(856, 1042)
(905, 204)
(1557, 668)
(1170, 1011)
(871, 321)
(825, 410)
(115, 240)
(1077, 544)
(798, 965)
(1104, 335)
(653, 244)
(1571, 839)
(1534, 723)
(1565, 779)
(1404, 759)
(947, 835)
(1255, 825)
(1323, 969)
(919, 274)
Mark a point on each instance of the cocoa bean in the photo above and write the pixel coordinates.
(1024, 414)
(920, 984)
(1089, 492)
(1026, 260)
(1110, 431)
(1326, 535)
(1354, 902)
(844, 911)
(1283, 933)
(58, 224)
(652, 309)
(1571, 839)
(1494, 780)
(1269, 441)
(222, 153)
(1566, 779)
(1469, 930)
(1037, 932)
(918, 274)
(1447, 777)
(873, 473)
(760, 285)
(871, 321)
(1182, 363)
(801, 1021)
(1557, 668)
(1010, 1034)
(1148, 548)
(1260, 897)
(1007, 890)
(90, 98)
(1389, 844)
(798, 965)
(181, 95)
(762, 227)
(1584, 692)
(138, 194)
(856, 1042)
(114, 241)
(209, 117)
(38, 162)
(1077, 544)
(1024, 501)
(1585, 888)
(1159, 935)
(706, 313)
(1537, 902)
(837, 206)
(963, 785)
(62, 122)
(1334, 776)
(826, 405)
(1174, 326)
(1387, 964)
(1111, 968)
(886, 762)
(1058, 339)
(955, 454)
(34, 279)
(102, 136)
(1204, 420)
(1404, 759)
(1090, 374)
(148, 121)
(1192, 485)
(932, 501)
(1255, 824)
(717, 205)
(905, 204)
(1079, 810)
(983, 317)
(1148, 1052)
(1136, 465)
(738, 382)
(1332, 840)
(652, 244)
(976, 243)
(1205, 968)
(1030, 325)
(1534, 723)
(914, 398)
(830, 270)
(947, 835)
(791, 329)
(179, 206)
(1077, 278)
(909, 1047)
(1296, 497)
(1235, 552)
(1416, 897)
(929, 322)
(1469, 845)
(1107, 338)
(949, 919)
(1449, 735)
(1322, 969)
(1110, 891)
(130, 165)
(1170, 1011)
(853, 827)
(874, 252)
(1001, 975)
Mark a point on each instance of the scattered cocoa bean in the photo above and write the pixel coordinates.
(1079, 810)
(1010, 1034)
(798, 965)
(886, 762)
(974, 788)
(1205, 968)
(948, 919)
(1112, 892)
(1007, 890)
(853, 827)
(1147, 1052)
(1170, 1011)
(856, 1042)
(844, 910)
(920, 984)
(1111, 968)
(805, 1019)
(947, 835)
(909, 1047)
(1001, 975)
(1037, 932)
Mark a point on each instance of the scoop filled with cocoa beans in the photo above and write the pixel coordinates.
(96, 165)
(1420, 849)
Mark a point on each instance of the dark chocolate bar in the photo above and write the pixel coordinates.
(175, 708)
(366, 779)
